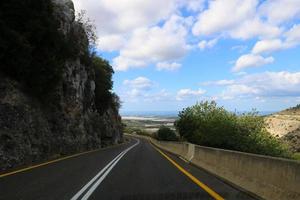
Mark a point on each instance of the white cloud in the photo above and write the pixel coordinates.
(156, 44)
(251, 60)
(219, 16)
(122, 63)
(245, 23)
(239, 90)
(155, 32)
(167, 66)
(139, 83)
(275, 83)
(207, 44)
(138, 89)
(110, 42)
(267, 46)
(135, 95)
(258, 86)
(293, 35)
(131, 27)
(115, 16)
(142, 89)
(279, 11)
(219, 82)
(263, 85)
(162, 95)
(189, 93)
(194, 5)
(292, 39)
(254, 28)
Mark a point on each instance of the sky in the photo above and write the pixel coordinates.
(170, 54)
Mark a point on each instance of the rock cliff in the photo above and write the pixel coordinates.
(31, 131)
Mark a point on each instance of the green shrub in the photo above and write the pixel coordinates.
(116, 102)
(167, 134)
(207, 124)
(296, 156)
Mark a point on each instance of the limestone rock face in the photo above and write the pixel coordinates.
(64, 11)
(31, 132)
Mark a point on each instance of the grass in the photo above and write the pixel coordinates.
(296, 156)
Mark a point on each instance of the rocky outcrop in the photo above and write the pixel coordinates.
(31, 131)
(285, 125)
(281, 124)
(293, 140)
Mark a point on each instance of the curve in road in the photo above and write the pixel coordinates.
(135, 170)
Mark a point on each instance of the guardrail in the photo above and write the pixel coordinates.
(266, 177)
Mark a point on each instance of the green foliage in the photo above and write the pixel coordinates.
(104, 83)
(32, 49)
(207, 124)
(167, 134)
(296, 156)
(116, 102)
(124, 127)
(127, 129)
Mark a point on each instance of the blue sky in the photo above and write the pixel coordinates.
(169, 54)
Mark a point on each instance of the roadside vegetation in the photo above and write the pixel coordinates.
(166, 134)
(208, 124)
(104, 98)
(296, 156)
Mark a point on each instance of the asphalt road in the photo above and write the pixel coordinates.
(135, 170)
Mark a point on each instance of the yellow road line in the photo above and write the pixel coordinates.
(189, 175)
(53, 161)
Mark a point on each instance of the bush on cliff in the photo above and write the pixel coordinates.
(207, 124)
(104, 83)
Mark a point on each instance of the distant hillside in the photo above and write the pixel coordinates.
(286, 125)
(291, 111)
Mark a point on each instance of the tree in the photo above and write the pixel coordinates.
(207, 124)
(167, 134)
(104, 83)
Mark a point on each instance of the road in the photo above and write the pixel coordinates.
(135, 170)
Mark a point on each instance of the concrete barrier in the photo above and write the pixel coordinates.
(264, 176)
(267, 177)
(182, 149)
(174, 147)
